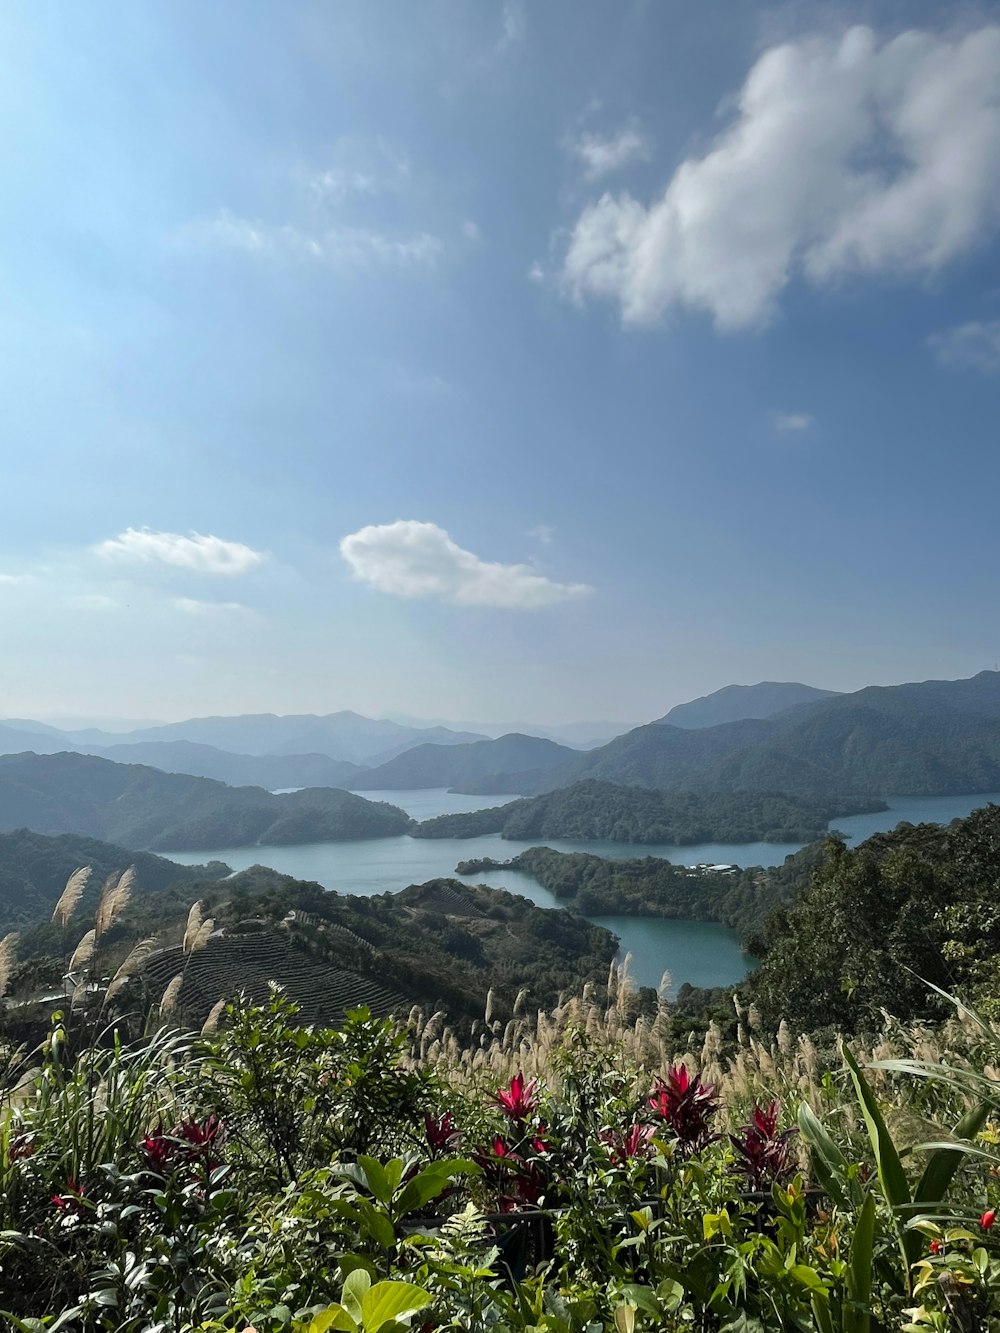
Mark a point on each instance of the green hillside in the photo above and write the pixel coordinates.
(141, 807)
(921, 739)
(603, 810)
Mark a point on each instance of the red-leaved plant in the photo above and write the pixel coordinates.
(763, 1155)
(685, 1105)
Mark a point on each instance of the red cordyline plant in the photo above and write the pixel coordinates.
(441, 1133)
(520, 1100)
(190, 1143)
(629, 1144)
(764, 1157)
(685, 1105)
(519, 1183)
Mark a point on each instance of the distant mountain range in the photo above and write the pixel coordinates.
(266, 750)
(733, 703)
(140, 807)
(932, 738)
(929, 738)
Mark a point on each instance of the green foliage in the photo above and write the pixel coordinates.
(144, 807)
(915, 906)
(615, 813)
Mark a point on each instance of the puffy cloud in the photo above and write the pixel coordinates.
(845, 156)
(337, 246)
(201, 554)
(972, 346)
(602, 156)
(792, 421)
(411, 559)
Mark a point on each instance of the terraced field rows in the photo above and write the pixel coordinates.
(231, 964)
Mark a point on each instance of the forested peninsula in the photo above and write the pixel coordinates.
(650, 886)
(616, 813)
(139, 807)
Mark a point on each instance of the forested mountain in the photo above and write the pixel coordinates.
(143, 807)
(34, 869)
(603, 810)
(733, 703)
(922, 739)
(463, 766)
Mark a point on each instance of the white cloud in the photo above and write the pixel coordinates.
(201, 554)
(536, 273)
(792, 421)
(602, 156)
(844, 157)
(338, 246)
(972, 346)
(411, 559)
(471, 230)
(191, 606)
(542, 533)
(13, 578)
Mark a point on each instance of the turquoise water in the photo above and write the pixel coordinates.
(700, 952)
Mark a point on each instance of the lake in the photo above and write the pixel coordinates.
(702, 953)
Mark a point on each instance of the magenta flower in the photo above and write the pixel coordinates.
(519, 1100)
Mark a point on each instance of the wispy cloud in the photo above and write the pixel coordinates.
(601, 156)
(844, 157)
(337, 246)
(360, 166)
(542, 533)
(513, 24)
(792, 421)
(972, 346)
(412, 559)
(13, 578)
(192, 606)
(195, 552)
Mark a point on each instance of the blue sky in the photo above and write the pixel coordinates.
(494, 361)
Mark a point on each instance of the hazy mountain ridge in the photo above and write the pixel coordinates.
(930, 738)
(141, 807)
(452, 766)
(345, 736)
(734, 703)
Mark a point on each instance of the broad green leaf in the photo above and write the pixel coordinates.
(334, 1317)
(828, 1162)
(377, 1179)
(356, 1286)
(387, 1301)
(891, 1175)
(821, 1312)
(939, 1171)
(625, 1319)
(857, 1313)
